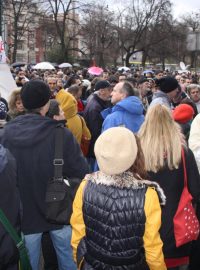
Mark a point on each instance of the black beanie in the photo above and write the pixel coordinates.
(167, 84)
(35, 94)
(101, 85)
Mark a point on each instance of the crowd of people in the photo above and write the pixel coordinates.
(125, 134)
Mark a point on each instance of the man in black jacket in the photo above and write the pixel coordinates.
(92, 114)
(10, 205)
(31, 139)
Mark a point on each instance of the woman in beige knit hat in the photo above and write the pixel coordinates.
(116, 213)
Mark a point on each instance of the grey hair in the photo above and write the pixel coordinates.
(128, 89)
(192, 86)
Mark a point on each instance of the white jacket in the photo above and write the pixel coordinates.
(194, 139)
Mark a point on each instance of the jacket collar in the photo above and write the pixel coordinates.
(125, 180)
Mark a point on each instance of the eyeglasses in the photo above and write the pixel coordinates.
(51, 83)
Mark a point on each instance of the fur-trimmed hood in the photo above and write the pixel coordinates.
(125, 180)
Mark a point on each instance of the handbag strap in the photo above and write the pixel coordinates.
(9, 228)
(24, 259)
(184, 167)
(58, 157)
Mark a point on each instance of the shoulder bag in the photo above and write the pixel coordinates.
(60, 191)
(186, 224)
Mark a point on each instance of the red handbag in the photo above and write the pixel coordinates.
(85, 143)
(186, 224)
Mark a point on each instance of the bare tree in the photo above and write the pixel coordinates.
(192, 20)
(135, 21)
(98, 32)
(63, 15)
(156, 36)
(19, 15)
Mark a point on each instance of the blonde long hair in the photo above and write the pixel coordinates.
(161, 139)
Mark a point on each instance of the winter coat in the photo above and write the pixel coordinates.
(128, 113)
(10, 204)
(94, 119)
(160, 97)
(185, 128)
(13, 114)
(194, 139)
(31, 139)
(120, 219)
(172, 182)
(75, 124)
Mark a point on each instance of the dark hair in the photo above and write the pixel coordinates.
(113, 79)
(158, 71)
(142, 80)
(53, 108)
(138, 168)
(191, 103)
(73, 89)
(131, 80)
(128, 89)
(71, 81)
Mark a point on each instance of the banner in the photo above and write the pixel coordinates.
(2, 52)
(7, 82)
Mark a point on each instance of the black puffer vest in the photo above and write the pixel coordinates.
(115, 224)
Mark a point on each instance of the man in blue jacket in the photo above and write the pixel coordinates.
(127, 110)
(31, 139)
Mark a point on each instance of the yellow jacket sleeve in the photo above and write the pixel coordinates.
(77, 222)
(152, 241)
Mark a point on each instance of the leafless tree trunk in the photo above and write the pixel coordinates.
(19, 15)
(135, 21)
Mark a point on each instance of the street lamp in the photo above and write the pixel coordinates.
(193, 45)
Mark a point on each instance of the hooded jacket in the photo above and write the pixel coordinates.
(10, 204)
(31, 139)
(127, 113)
(162, 98)
(75, 123)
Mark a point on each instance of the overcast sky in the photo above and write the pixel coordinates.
(179, 8)
(184, 6)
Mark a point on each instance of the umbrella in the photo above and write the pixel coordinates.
(44, 65)
(18, 64)
(123, 69)
(95, 70)
(65, 65)
(76, 65)
(148, 71)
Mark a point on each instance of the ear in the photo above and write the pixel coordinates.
(56, 117)
(123, 95)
